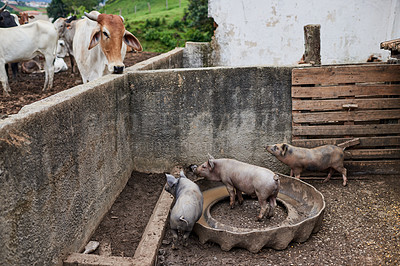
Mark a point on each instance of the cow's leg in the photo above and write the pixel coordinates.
(49, 72)
(14, 68)
(4, 80)
(71, 58)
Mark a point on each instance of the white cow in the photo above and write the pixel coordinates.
(25, 42)
(100, 45)
(60, 65)
(66, 32)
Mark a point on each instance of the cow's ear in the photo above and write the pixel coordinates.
(132, 41)
(95, 37)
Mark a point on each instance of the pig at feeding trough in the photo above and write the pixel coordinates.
(242, 177)
(315, 159)
(188, 206)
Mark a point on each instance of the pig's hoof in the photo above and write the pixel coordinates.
(344, 183)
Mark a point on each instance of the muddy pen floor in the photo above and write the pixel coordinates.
(361, 226)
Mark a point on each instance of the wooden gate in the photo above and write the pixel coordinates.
(333, 104)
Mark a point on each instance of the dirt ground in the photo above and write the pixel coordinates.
(361, 223)
(121, 229)
(361, 226)
(27, 88)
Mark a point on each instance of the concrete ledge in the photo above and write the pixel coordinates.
(79, 259)
(172, 59)
(146, 251)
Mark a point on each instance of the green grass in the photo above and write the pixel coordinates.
(158, 9)
(159, 30)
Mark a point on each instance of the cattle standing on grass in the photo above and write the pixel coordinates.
(100, 45)
(39, 37)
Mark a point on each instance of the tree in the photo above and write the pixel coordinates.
(62, 8)
(197, 16)
(57, 9)
(89, 5)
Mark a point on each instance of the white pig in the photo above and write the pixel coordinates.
(243, 177)
(188, 206)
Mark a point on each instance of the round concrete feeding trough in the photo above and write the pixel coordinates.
(304, 206)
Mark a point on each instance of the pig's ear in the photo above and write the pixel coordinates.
(182, 174)
(171, 180)
(284, 149)
(211, 163)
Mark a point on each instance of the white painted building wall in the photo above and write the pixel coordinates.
(270, 32)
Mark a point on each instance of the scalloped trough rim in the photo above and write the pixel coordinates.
(294, 195)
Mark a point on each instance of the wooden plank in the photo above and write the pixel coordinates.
(355, 168)
(363, 104)
(346, 130)
(329, 117)
(379, 167)
(357, 90)
(372, 154)
(346, 74)
(364, 142)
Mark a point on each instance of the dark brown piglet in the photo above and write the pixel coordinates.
(315, 159)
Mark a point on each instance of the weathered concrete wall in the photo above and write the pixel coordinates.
(198, 54)
(63, 161)
(179, 116)
(172, 59)
(270, 32)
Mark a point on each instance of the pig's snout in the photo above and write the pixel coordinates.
(269, 148)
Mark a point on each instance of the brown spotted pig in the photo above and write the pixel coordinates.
(316, 159)
(243, 177)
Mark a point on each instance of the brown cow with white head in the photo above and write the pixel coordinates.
(99, 45)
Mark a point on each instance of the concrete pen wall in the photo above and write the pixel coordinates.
(65, 159)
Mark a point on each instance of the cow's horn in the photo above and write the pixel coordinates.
(92, 16)
(4, 7)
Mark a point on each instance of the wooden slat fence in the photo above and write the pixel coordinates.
(333, 104)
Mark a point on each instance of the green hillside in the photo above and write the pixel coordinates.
(158, 29)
